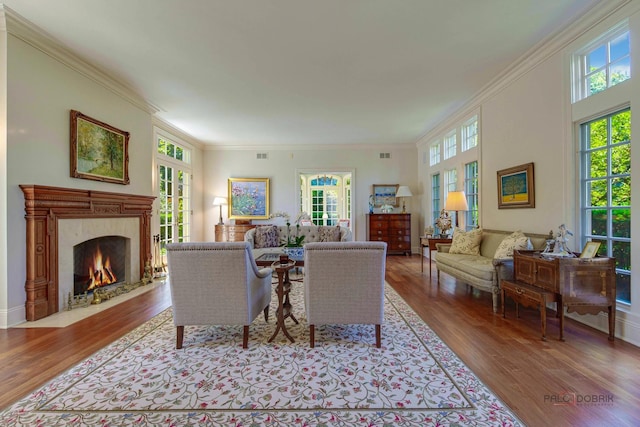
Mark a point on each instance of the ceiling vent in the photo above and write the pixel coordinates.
(385, 155)
(261, 156)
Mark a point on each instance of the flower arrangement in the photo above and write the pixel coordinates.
(444, 222)
(296, 240)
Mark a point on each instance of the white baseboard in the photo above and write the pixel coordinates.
(627, 327)
(12, 316)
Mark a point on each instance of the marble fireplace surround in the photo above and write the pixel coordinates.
(48, 210)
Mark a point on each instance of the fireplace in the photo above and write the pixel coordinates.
(58, 219)
(98, 263)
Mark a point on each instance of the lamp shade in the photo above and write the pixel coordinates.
(219, 201)
(456, 201)
(403, 191)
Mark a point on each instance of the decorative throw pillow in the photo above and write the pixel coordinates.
(328, 234)
(466, 242)
(516, 240)
(266, 236)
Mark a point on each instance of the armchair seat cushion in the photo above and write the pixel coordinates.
(475, 265)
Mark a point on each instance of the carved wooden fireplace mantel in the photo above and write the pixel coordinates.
(44, 206)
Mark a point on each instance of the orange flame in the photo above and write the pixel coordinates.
(100, 273)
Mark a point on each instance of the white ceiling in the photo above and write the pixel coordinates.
(282, 72)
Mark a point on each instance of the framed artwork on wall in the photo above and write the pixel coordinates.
(385, 194)
(516, 187)
(248, 198)
(98, 151)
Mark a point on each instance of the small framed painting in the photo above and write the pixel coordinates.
(590, 250)
(98, 151)
(515, 187)
(248, 198)
(385, 194)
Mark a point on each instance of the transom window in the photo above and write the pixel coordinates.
(602, 64)
(434, 154)
(450, 145)
(469, 134)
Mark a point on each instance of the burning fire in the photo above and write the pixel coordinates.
(100, 273)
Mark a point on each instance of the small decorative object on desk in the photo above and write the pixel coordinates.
(372, 200)
(386, 209)
(560, 248)
(429, 230)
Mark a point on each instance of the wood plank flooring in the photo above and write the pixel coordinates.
(584, 381)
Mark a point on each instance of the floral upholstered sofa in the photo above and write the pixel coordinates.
(482, 258)
(272, 238)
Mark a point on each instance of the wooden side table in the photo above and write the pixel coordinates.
(430, 242)
(284, 306)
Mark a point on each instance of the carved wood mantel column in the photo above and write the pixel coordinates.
(44, 206)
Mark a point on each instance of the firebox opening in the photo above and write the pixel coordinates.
(98, 263)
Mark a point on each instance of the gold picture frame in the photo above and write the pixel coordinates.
(248, 198)
(590, 250)
(99, 151)
(516, 187)
(385, 194)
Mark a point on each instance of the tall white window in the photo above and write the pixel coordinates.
(174, 191)
(606, 192)
(435, 197)
(602, 64)
(450, 181)
(450, 145)
(434, 154)
(469, 134)
(471, 191)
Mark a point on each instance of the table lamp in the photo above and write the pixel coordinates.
(403, 191)
(456, 201)
(220, 201)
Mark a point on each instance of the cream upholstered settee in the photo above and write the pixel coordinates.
(484, 265)
(272, 238)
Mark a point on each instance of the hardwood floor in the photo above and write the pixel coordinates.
(531, 376)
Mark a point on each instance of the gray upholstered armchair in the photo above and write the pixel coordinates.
(216, 284)
(344, 284)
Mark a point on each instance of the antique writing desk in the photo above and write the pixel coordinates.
(581, 285)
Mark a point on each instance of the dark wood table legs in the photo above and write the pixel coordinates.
(284, 306)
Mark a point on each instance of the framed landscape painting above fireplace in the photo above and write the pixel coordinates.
(99, 151)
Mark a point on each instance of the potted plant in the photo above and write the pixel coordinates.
(293, 246)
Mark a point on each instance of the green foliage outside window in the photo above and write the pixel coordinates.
(608, 192)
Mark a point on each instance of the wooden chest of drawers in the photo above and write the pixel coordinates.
(231, 232)
(395, 229)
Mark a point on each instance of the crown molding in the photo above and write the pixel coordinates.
(539, 53)
(29, 33)
(310, 147)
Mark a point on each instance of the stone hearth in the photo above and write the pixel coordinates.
(47, 209)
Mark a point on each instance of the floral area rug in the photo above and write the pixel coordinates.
(142, 380)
